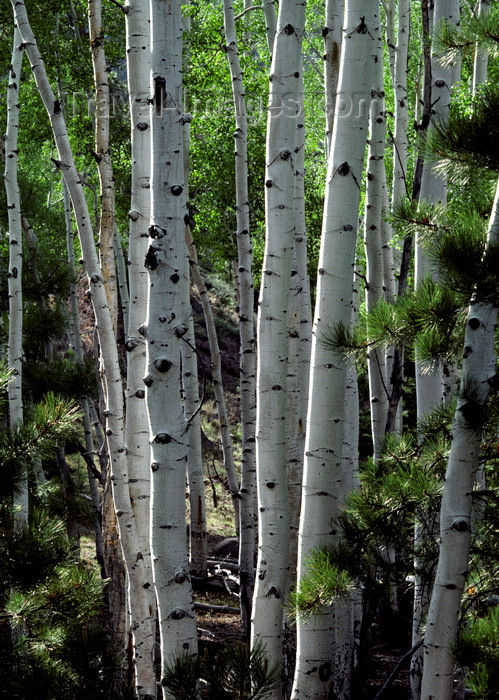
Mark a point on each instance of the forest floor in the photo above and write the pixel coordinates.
(215, 628)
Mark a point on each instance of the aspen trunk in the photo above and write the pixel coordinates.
(114, 410)
(273, 506)
(166, 324)
(480, 62)
(136, 422)
(429, 384)
(332, 33)
(375, 186)
(247, 352)
(102, 155)
(479, 374)
(14, 275)
(326, 412)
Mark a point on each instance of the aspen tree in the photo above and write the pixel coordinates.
(14, 275)
(325, 419)
(429, 386)
(102, 155)
(273, 506)
(136, 427)
(299, 332)
(479, 375)
(433, 189)
(165, 325)
(332, 32)
(114, 409)
(401, 118)
(137, 19)
(480, 62)
(373, 243)
(247, 353)
(198, 535)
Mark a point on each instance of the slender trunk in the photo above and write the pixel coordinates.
(326, 413)
(273, 505)
(378, 395)
(429, 384)
(269, 9)
(137, 20)
(480, 62)
(14, 274)
(247, 355)
(332, 50)
(216, 370)
(198, 534)
(114, 410)
(102, 155)
(166, 323)
(122, 278)
(299, 332)
(479, 374)
(401, 130)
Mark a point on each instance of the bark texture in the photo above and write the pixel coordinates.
(321, 499)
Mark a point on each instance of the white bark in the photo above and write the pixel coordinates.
(478, 375)
(138, 580)
(136, 422)
(326, 412)
(269, 9)
(299, 333)
(401, 130)
(102, 155)
(434, 189)
(480, 62)
(198, 535)
(373, 244)
(137, 428)
(166, 324)
(14, 274)
(273, 506)
(429, 385)
(247, 354)
(332, 50)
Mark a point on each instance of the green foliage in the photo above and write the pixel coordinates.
(467, 141)
(235, 672)
(322, 584)
(478, 651)
(65, 376)
(450, 41)
(52, 423)
(29, 555)
(58, 647)
(71, 595)
(52, 643)
(401, 488)
(429, 320)
(416, 217)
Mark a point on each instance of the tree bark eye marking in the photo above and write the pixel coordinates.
(159, 92)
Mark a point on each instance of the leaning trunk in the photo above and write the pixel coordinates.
(114, 409)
